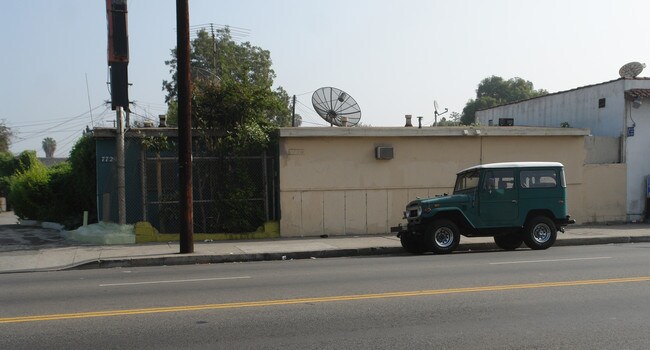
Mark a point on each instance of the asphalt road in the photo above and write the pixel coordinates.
(590, 297)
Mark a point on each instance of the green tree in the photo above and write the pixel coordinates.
(83, 170)
(236, 112)
(454, 120)
(5, 136)
(493, 91)
(232, 84)
(49, 146)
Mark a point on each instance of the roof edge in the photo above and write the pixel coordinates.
(456, 131)
(562, 92)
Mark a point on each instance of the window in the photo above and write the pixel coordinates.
(545, 178)
(499, 180)
(467, 181)
(601, 103)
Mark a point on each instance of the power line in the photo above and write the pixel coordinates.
(305, 93)
(54, 128)
(52, 121)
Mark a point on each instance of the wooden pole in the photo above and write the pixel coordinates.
(184, 126)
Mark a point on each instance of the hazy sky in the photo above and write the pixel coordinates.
(393, 57)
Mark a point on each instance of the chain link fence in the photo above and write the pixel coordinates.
(230, 194)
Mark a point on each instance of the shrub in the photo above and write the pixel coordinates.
(60, 193)
(29, 192)
(84, 175)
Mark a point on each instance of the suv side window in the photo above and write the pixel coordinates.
(543, 178)
(499, 180)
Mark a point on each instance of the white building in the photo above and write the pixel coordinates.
(617, 112)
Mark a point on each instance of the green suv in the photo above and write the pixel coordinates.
(512, 202)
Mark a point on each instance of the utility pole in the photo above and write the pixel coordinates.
(184, 126)
(121, 180)
(293, 112)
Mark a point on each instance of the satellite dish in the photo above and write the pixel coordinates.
(631, 70)
(435, 112)
(336, 106)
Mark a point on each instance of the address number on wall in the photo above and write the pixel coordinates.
(108, 159)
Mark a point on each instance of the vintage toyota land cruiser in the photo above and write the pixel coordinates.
(512, 202)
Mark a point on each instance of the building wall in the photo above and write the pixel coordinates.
(578, 107)
(106, 163)
(332, 184)
(601, 193)
(637, 154)
(603, 149)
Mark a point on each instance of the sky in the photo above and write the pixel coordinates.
(393, 57)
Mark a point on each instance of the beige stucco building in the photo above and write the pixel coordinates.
(333, 182)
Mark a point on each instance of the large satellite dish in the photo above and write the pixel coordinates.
(631, 70)
(336, 106)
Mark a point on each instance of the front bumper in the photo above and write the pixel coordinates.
(399, 229)
(412, 227)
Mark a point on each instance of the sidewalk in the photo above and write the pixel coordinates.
(158, 254)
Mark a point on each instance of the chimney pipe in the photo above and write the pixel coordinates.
(408, 121)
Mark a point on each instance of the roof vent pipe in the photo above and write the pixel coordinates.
(408, 121)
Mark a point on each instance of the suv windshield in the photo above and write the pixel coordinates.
(467, 181)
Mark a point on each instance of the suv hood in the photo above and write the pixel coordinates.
(442, 201)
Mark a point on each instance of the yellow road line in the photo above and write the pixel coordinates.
(263, 303)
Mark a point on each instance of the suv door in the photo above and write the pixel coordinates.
(498, 198)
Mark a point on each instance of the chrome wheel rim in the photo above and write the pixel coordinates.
(444, 237)
(541, 233)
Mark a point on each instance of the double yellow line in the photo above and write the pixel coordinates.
(319, 300)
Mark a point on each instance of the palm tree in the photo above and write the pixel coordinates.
(49, 146)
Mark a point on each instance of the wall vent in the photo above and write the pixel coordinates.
(506, 121)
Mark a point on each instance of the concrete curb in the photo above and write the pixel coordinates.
(320, 254)
(216, 259)
(192, 259)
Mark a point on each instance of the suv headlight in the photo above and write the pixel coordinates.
(413, 211)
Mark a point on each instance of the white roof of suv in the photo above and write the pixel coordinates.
(514, 165)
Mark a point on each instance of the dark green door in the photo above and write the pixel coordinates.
(498, 198)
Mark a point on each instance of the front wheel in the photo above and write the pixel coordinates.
(540, 233)
(412, 244)
(442, 237)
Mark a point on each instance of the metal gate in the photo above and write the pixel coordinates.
(230, 194)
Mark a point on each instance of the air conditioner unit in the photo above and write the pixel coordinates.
(384, 152)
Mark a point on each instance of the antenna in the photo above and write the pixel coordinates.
(336, 107)
(631, 70)
(435, 112)
(92, 122)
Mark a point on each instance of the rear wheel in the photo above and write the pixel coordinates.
(412, 244)
(510, 241)
(442, 237)
(540, 233)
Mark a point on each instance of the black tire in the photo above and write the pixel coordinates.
(412, 244)
(510, 241)
(540, 233)
(442, 237)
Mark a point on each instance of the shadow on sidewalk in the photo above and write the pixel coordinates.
(20, 237)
